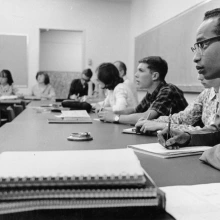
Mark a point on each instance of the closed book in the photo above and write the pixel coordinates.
(70, 168)
(75, 180)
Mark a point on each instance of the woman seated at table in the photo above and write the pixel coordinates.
(203, 109)
(43, 89)
(6, 84)
(119, 95)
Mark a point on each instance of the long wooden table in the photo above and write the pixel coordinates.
(30, 131)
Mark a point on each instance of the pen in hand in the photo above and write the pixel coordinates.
(102, 107)
(138, 129)
(169, 124)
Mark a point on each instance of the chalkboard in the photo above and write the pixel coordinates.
(172, 40)
(13, 56)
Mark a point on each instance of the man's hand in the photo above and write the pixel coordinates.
(175, 140)
(74, 97)
(108, 116)
(148, 125)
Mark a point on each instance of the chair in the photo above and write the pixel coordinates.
(10, 113)
(18, 109)
(2, 120)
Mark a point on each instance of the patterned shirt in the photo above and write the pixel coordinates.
(164, 97)
(8, 90)
(209, 135)
(203, 108)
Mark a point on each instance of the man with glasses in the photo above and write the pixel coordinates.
(79, 87)
(207, 59)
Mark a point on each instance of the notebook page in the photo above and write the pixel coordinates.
(159, 149)
(197, 201)
(74, 114)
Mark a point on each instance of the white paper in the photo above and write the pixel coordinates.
(5, 97)
(194, 202)
(74, 114)
(156, 148)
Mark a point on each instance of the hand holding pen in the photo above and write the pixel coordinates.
(139, 125)
(173, 139)
(168, 134)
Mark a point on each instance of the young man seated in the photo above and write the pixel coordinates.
(79, 87)
(161, 98)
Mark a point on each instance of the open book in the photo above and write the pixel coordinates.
(71, 116)
(156, 149)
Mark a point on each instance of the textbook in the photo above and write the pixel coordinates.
(75, 179)
(157, 150)
(71, 117)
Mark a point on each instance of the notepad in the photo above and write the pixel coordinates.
(156, 149)
(71, 116)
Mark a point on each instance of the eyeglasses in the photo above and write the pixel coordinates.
(200, 46)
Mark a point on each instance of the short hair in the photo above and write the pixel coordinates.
(215, 13)
(87, 72)
(46, 77)
(122, 66)
(156, 64)
(7, 74)
(109, 75)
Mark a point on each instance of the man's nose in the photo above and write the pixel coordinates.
(197, 57)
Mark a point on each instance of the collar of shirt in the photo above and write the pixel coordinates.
(212, 94)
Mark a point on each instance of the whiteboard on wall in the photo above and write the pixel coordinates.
(13, 56)
(61, 50)
(172, 41)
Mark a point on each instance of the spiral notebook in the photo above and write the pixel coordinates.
(70, 168)
(76, 180)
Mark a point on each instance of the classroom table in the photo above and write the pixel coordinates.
(30, 131)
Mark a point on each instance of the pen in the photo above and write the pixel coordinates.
(102, 107)
(138, 129)
(148, 116)
(169, 124)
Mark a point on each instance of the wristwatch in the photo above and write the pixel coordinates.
(116, 119)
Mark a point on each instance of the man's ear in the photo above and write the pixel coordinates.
(121, 73)
(155, 76)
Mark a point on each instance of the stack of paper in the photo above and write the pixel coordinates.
(193, 202)
(156, 149)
